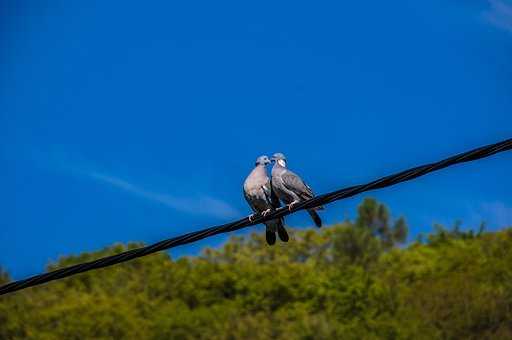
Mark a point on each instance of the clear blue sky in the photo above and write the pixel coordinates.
(129, 121)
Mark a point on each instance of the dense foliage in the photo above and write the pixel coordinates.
(348, 281)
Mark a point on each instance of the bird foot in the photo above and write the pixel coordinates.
(290, 206)
(266, 212)
(251, 217)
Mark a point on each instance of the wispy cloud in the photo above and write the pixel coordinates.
(202, 204)
(195, 203)
(500, 14)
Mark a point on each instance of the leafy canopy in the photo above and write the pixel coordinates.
(347, 281)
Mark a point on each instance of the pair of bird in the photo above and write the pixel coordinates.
(264, 194)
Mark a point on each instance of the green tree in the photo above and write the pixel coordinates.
(375, 217)
(347, 281)
(4, 276)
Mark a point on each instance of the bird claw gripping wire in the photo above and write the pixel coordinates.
(290, 206)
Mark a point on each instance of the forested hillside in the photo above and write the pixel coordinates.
(355, 280)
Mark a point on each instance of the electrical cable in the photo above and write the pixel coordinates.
(383, 182)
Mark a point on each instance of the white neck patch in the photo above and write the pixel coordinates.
(281, 162)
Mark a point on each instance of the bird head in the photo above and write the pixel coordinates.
(262, 160)
(279, 158)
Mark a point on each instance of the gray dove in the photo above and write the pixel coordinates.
(290, 188)
(258, 193)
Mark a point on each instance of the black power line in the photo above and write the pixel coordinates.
(403, 176)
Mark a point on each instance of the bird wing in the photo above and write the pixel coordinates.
(274, 200)
(294, 183)
(249, 201)
(271, 196)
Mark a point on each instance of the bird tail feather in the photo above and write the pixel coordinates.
(315, 217)
(270, 236)
(274, 226)
(281, 231)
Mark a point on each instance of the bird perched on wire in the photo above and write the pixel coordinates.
(258, 193)
(290, 188)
